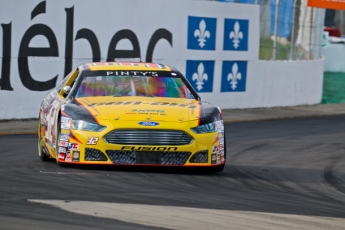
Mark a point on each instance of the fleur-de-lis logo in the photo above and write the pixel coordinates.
(200, 77)
(236, 35)
(234, 76)
(202, 33)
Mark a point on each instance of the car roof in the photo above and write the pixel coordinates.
(143, 66)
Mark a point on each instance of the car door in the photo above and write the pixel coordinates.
(50, 109)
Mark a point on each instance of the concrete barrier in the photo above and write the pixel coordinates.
(42, 41)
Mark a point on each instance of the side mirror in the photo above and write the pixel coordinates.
(66, 90)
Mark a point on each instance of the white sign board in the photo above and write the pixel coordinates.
(42, 41)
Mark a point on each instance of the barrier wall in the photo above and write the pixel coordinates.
(275, 83)
(215, 45)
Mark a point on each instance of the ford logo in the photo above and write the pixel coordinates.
(148, 123)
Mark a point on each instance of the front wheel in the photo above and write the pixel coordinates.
(215, 169)
(41, 154)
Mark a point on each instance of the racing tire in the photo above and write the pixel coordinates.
(41, 154)
(216, 169)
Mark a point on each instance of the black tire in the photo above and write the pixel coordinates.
(216, 169)
(41, 154)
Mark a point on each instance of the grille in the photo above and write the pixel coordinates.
(148, 137)
(94, 155)
(148, 157)
(200, 157)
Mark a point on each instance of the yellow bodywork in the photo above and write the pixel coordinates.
(125, 113)
(110, 113)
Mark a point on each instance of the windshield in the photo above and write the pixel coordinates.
(147, 86)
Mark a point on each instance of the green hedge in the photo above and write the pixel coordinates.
(333, 88)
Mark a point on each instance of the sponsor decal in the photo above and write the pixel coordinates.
(142, 148)
(220, 126)
(222, 156)
(75, 156)
(148, 123)
(220, 135)
(221, 147)
(213, 158)
(73, 146)
(92, 140)
(66, 119)
(146, 111)
(62, 150)
(63, 143)
(215, 149)
(140, 102)
(221, 140)
(65, 125)
(64, 137)
(65, 131)
(68, 157)
(218, 158)
(132, 73)
(61, 156)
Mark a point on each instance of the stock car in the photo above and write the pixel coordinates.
(130, 113)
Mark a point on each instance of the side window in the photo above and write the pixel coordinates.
(60, 86)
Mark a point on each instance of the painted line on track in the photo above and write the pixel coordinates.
(172, 217)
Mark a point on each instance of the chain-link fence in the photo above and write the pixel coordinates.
(289, 29)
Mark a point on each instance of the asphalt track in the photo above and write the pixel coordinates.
(280, 174)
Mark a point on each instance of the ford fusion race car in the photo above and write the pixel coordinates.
(123, 113)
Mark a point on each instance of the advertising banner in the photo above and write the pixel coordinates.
(42, 41)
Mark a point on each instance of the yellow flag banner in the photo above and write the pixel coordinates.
(330, 4)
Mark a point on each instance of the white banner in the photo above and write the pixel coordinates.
(214, 44)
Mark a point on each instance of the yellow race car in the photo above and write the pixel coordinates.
(124, 113)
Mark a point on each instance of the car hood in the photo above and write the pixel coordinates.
(142, 108)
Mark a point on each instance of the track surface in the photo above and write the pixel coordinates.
(292, 168)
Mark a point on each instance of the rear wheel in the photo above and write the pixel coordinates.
(41, 154)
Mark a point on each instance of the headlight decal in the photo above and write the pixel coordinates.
(206, 128)
(86, 126)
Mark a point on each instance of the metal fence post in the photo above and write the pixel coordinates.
(293, 30)
(311, 31)
(275, 31)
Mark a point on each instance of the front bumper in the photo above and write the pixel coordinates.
(93, 148)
